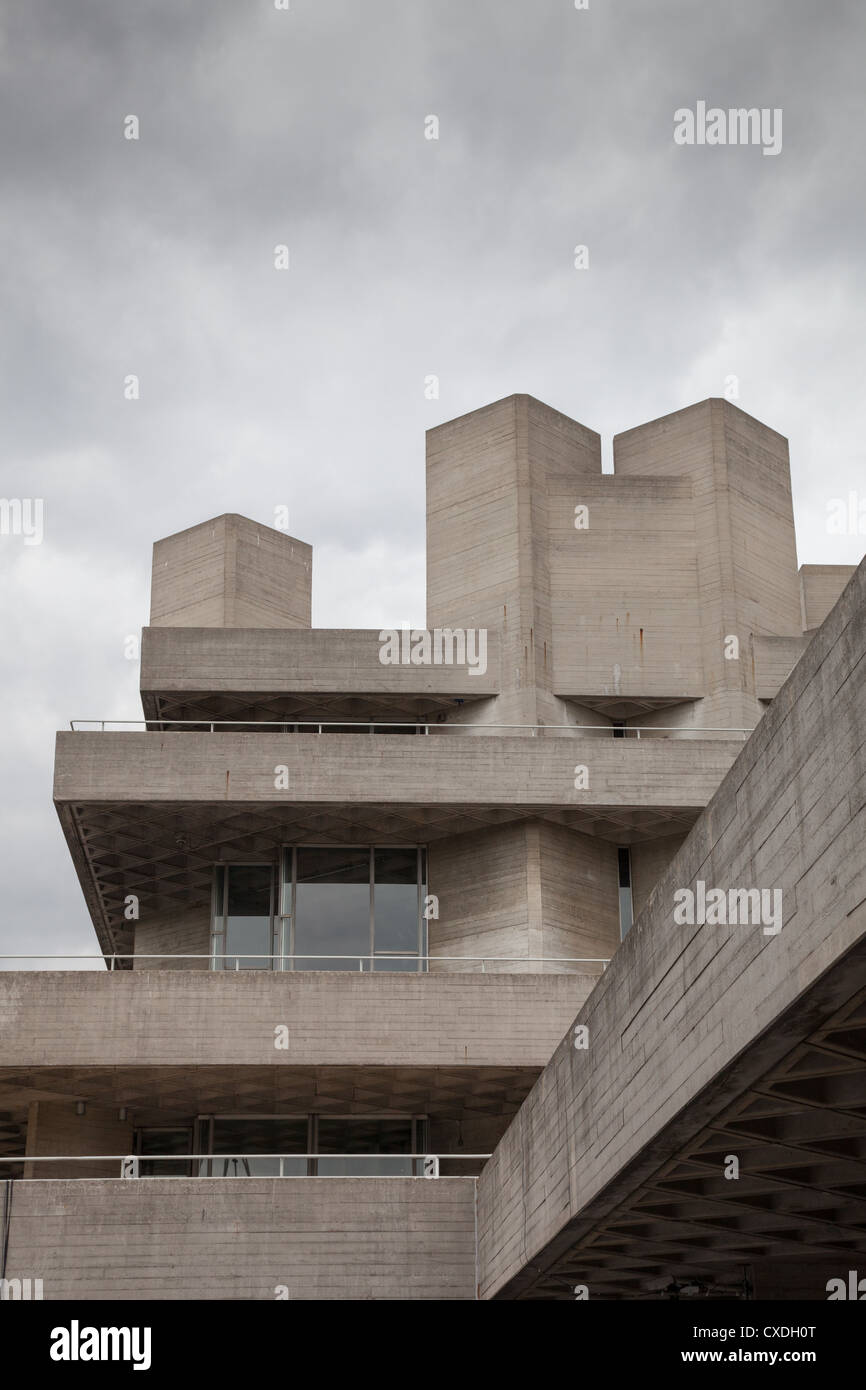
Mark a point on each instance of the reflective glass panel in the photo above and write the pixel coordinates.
(332, 908)
(238, 1142)
(164, 1141)
(395, 908)
(248, 916)
(386, 1138)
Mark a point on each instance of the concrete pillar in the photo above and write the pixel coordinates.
(53, 1127)
(533, 889)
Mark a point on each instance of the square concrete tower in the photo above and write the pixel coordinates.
(744, 528)
(489, 476)
(231, 572)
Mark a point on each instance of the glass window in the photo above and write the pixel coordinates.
(242, 926)
(332, 908)
(164, 1141)
(238, 1140)
(396, 909)
(328, 908)
(388, 1138)
(626, 914)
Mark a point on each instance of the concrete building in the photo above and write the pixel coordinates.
(358, 893)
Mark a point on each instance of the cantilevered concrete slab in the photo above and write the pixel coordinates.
(707, 1041)
(334, 1018)
(444, 769)
(152, 812)
(296, 674)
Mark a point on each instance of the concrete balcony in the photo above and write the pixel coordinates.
(247, 1238)
(264, 673)
(86, 1056)
(151, 813)
(524, 775)
(186, 1019)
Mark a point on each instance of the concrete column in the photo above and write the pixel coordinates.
(529, 890)
(53, 1127)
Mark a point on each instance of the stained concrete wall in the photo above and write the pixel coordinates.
(679, 1004)
(689, 543)
(487, 536)
(241, 1238)
(231, 572)
(626, 616)
(744, 530)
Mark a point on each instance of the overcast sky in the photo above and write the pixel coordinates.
(408, 257)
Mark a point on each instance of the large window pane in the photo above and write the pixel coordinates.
(365, 1135)
(395, 908)
(248, 916)
(237, 1142)
(332, 908)
(164, 1141)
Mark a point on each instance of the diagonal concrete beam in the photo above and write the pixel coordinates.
(683, 1005)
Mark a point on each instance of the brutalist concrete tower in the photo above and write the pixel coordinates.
(364, 899)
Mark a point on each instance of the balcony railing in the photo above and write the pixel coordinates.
(414, 1165)
(375, 726)
(365, 963)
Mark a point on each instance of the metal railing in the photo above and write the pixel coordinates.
(110, 960)
(130, 1164)
(372, 726)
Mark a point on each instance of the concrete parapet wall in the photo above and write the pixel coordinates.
(243, 1238)
(178, 1017)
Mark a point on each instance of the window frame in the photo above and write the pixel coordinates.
(217, 935)
(288, 919)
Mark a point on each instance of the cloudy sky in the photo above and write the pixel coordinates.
(408, 257)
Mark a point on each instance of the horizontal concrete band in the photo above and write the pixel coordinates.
(315, 660)
(164, 1018)
(248, 1238)
(509, 772)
